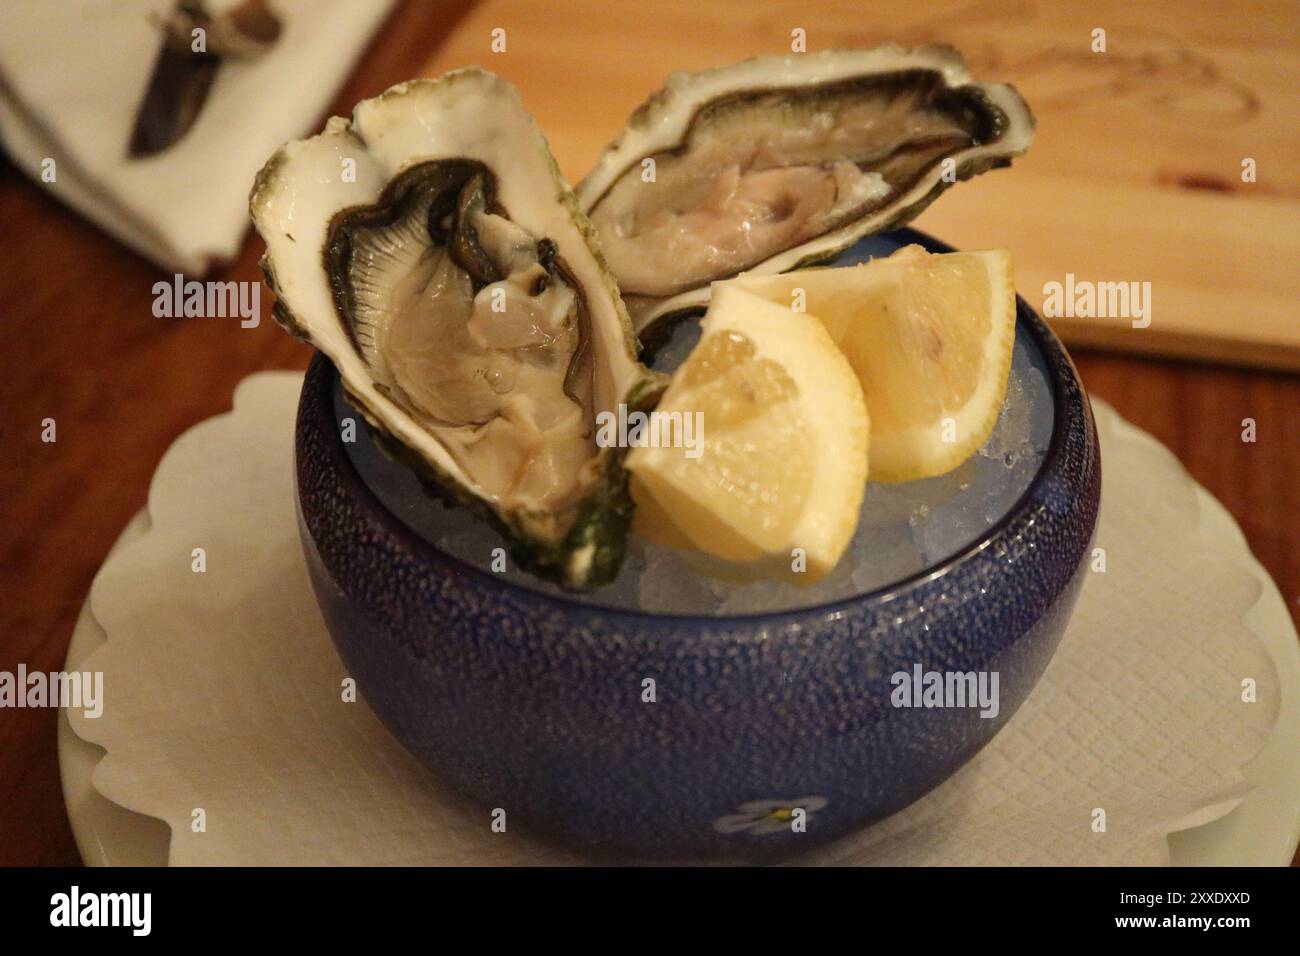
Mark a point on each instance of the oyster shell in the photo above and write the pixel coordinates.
(431, 249)
(781, 162)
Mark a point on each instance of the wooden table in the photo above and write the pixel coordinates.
(83, 347)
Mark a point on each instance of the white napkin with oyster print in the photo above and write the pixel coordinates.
(74, 76)
(226, 696)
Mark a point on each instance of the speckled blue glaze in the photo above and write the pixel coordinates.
(532, 703)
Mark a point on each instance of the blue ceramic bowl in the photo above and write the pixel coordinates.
(532, 703)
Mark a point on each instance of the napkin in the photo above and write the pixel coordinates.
(73, 74)
(222, 689)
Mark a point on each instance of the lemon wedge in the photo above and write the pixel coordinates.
(776, 482)
(930, 338)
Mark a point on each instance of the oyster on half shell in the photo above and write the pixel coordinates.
(430, 248)
(781, 162)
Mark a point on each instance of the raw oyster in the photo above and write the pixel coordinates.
(781, 162)
(431, 249)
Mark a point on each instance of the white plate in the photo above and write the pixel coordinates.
(1263, 830)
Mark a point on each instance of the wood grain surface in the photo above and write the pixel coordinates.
(1135, 176)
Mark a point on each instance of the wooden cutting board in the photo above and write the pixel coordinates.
(1136, 175)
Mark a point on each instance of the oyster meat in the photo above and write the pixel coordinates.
(780, 162)
(432, 251)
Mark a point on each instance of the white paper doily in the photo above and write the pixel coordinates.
(224, 695)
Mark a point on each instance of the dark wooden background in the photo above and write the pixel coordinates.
(81, 345)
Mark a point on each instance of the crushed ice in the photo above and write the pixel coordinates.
(902, 530)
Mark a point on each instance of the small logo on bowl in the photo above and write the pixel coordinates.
(922, 688)
(761, 817)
